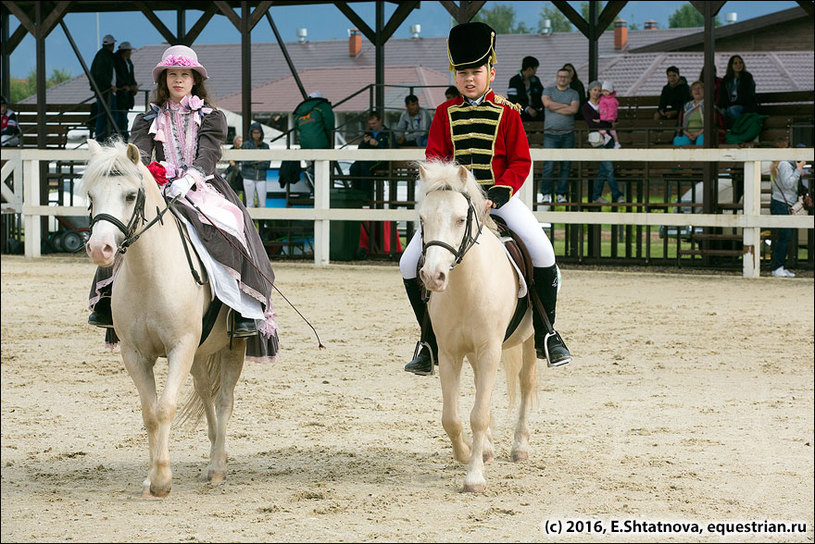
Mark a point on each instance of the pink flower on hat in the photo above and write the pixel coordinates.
(178, 61)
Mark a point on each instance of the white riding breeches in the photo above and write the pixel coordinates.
(518, 218)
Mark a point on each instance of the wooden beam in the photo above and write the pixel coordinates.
(357, 21)
(608, 15)
(464, 11)
(227, 10)
(451, 8)
(575, 18)
(807, 5)
(258, 13)
(163, 30)
(398, 17)
(14, 40)
(700, 6)
(53, 18)
(22, 16)
(199, 25)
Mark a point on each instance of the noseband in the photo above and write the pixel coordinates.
(467, 241)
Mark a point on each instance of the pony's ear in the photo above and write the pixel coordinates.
(463, 174)
(133, 154)
(94, 147)
(422, 172)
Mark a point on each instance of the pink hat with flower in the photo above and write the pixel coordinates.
(179, 56)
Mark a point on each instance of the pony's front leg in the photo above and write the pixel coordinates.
(179, 363)
(450, 375)
(231, 367)
(488, 453)
(480, 417)
(528, 380)
(141, 372)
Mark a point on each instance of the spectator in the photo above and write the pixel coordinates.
(232, 174)
(605, 169)
(526, 89)
(577, 85)
(738, 90)
(675, 94)
(376, 137)
(10, 128)
(314, 119)
(413, 123)
(608, 112)
(488, 137)
(254, 172)
(451, 92)
(717, 84)
(126, 87)
(692, 118)
(102, 72)
(561, 103)
(784, 176)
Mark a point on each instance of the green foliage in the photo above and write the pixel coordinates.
(559, 21)
(501, 17)
(22, 88)
(687, 16)
(584, 11)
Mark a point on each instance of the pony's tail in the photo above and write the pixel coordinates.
(513, 361)
(192, 410)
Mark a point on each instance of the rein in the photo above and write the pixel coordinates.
(467, 241)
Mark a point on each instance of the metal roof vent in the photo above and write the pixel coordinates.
(546, 29)
(731, 17)
(415, 30)
(302, 34)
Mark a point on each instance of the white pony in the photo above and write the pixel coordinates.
(158, 307)
(474, 294)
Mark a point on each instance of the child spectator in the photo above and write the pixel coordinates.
(608, 112)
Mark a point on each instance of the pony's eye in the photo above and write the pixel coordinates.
(462, 220)
(131, 197)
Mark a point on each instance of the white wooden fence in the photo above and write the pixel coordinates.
(24, 164)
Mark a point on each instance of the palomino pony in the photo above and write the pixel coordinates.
(158, 307)
(474, 294)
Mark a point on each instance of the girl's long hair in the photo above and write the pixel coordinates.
(161, 94)
(730, 74)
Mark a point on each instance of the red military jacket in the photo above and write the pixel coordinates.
(489, 139)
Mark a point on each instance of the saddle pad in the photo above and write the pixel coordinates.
(522, 288)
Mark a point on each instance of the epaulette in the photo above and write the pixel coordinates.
(505, 102)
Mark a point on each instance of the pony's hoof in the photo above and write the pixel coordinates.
(160, 491)
(475, 488)
(216, 477)
(519, 456)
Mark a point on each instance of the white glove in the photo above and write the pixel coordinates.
(179, 187)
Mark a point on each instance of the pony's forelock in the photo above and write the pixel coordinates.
(111, 158)
(444, 175)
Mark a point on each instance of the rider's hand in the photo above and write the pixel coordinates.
(179, 187)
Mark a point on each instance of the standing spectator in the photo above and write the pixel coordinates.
(561, 103)
(784, 176)
(577, 85)
(413, 124)
(254, 172)
(451, 92)
(102, 72)
(314, 119)
(526, 89)
(605, 169)
(10, 129)
(738, 91)
(608, 112)
(126, 87)
(675, 94)
(376, 137)
(232, 174)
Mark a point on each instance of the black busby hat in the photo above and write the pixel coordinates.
(471, 45)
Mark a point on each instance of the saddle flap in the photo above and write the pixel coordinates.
(516, 249)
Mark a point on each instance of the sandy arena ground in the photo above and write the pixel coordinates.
(690, 401)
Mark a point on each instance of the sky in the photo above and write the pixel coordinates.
(323, 22)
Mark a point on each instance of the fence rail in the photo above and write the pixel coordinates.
(24, 164)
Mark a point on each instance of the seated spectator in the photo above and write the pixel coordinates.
(738, 90)
(10, 128)
(717, 84)
(376, 137)
(608, 112)
(526, 89)
(675, 94)
(692, 118)
(411, 130)
(451, 92)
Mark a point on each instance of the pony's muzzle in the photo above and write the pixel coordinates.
(101, 254)
(435, 280)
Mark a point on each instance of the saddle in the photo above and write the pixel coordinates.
(523, 263)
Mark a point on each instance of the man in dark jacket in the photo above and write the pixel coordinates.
(526, 89)
(314, 118)
(674, 95)
(102, 72)
(126, 86)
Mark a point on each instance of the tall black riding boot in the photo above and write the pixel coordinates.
(243, 326)
(101, 314)
(548, 343)
(424, 358)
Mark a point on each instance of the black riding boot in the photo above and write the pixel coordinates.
(548, 343)
(101, 315)
(422, 362)
(243, 326)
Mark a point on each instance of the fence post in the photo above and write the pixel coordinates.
(751, 260)
(31, 194)
(527, 191)
(322, 201)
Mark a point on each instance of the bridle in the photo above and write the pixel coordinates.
(467, 241)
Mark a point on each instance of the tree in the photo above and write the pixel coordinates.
(559, 21)
(501, 18)
(22, 88)
(584, 11)
(687, 16)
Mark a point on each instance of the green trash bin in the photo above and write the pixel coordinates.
(344, 240)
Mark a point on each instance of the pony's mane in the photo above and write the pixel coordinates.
(110, 160)
(444, 176)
